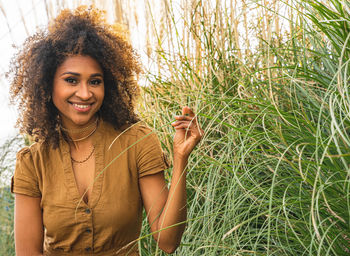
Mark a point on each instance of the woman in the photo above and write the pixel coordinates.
(80, 188)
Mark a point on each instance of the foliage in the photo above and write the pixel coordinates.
(7, 160)
(271, 176)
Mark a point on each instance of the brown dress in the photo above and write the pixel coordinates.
(110, 223)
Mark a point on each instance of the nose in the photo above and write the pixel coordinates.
(83, 91)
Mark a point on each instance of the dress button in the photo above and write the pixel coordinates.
(87, 249)
(88, 230)
(87, 210)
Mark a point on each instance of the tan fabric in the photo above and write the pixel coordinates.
(112, 218)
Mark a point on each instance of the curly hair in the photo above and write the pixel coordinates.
(83, 31)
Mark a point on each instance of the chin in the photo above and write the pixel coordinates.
(81, 121)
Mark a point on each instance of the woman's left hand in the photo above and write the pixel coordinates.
(188, 133)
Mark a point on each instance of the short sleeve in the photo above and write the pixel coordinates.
(25, 180)
(150, 157)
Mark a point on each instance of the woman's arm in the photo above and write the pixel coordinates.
(167, 208)
(29, 231)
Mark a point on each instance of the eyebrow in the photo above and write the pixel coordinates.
(77, 74)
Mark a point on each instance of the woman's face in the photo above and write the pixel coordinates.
(78, 90)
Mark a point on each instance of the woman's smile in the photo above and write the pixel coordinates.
(81, 107)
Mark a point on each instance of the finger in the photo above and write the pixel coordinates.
(188, 127)
(176, 125)
(194, 132)
(187, 111)
(182, 127)
(194, 128)
(187, 123)
(187, 118)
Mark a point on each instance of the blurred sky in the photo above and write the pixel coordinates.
(10, 18)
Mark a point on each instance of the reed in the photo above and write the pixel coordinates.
(271, 176)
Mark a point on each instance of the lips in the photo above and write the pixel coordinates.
(81, 107)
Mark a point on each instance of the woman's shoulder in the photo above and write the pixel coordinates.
(143, 135)
(136, 129)
(32, 151)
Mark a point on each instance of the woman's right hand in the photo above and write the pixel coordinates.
(188, 133)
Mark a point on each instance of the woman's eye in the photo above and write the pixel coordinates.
(70, 80)
(95, 82)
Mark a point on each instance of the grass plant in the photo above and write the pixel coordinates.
(7, 160)
(271, 176)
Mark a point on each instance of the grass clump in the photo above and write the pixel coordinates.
(271, 176)
(7, 161)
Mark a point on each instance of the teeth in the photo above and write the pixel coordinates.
(81, 106)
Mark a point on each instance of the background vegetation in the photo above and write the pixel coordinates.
(269, 81)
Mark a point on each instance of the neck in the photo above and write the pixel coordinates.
(78, 136)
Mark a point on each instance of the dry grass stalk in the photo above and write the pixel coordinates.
(118, 10)
(198, 47)
(23, 19)
(161, 34)
(246, 30)
(235, 22)
(7, 23)
(277, 22)
(148, 18)
(35, 16)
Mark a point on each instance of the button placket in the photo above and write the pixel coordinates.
(88, 230)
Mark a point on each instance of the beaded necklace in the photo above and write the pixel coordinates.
(83, 161)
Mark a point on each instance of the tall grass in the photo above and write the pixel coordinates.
(7, 160)
(271, 176)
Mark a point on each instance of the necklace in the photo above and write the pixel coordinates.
(87, 136)
(83, 161)
(80, 130)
